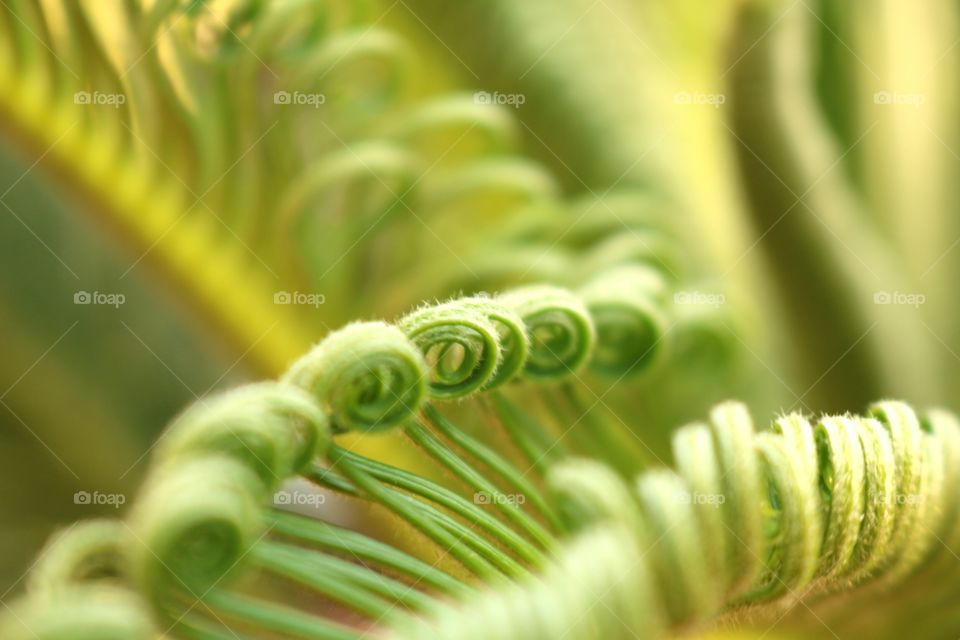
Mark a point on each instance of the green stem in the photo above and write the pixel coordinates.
(492, 459)
(445, 456)
(329, 479)
(457, 504)
(617, 444)
(194, 627)
(356, 587)
(540, 448)
(416, 514)
(277, 618)
(365, 549)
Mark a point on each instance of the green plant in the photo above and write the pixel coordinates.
(492, 465)
(805, 510)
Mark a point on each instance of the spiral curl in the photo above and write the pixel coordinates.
(625, 304)
(272, 427)
(367, 375)
(560, 328)
(184, 540)
(87, 552)
(373, 376)
(513, 340)
(461, 347)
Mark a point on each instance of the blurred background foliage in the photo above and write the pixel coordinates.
(797, 158)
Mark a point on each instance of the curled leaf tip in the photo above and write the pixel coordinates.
(560, 329)
(625, 303)
(368, 375)
(460, 344)
(194, 522)
(276, 428)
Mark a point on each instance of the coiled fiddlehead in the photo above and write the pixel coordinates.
(373, 376)
(745, 519)
(88, 551)
(274, 428)
(461, 345)
(560, 328)
(514, 342)
(78, 589)
(187, 541)
(625, 303)
(368, 375)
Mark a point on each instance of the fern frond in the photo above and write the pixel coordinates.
(805, 510)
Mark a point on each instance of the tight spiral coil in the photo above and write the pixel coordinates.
(514, 342)
(81, 574)
(461, 346)
(369, 376)
(625, 303)
(560, 328)
(373, 375)
(186, 541)
(90, 551)
(275, 428)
